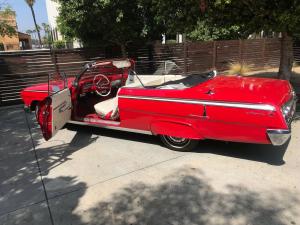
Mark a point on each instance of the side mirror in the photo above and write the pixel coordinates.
(89, 65)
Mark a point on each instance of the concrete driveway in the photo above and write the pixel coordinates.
(97, 176)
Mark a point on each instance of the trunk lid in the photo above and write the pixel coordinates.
(250, 89)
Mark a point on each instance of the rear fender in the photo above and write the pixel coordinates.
(175, 129)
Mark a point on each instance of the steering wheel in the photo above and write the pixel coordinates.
(102, 85)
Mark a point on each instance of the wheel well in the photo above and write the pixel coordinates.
(33, 105)
(176, 129)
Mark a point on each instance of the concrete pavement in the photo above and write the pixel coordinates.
(97, 176)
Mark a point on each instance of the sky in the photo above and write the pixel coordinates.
(24, 16)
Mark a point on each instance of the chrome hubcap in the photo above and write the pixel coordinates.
(177, 142)
(176, 139)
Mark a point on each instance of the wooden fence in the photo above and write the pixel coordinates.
(24, 68)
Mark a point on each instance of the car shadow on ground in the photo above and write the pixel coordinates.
(20, 184)
(272, 155)
(184, 197)
(260, 153)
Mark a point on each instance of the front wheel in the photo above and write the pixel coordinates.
(178, 144)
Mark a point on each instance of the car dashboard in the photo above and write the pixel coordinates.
(86, 84)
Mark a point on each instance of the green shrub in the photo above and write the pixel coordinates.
(59, 44)
(171, 42)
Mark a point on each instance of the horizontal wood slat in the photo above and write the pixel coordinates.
(20, 69)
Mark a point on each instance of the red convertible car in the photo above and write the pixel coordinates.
(180, 109)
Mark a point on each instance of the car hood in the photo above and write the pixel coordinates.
(249, 89)
(53, 86)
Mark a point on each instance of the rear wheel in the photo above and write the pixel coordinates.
(178, 144)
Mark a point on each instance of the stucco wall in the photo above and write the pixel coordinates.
(10, 43)
(52, 12)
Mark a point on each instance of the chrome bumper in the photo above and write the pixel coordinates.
(278, 137)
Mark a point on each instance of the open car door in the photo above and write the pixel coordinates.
(55, 110)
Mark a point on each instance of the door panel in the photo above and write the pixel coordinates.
(54, 112)
(61, 110)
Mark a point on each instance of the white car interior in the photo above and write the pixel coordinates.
(152, 80)
(106, 104)
(107, 109)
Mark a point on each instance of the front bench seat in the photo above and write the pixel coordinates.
(108, 109)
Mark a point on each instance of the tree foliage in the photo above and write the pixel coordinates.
(124, 21)
(205, 32)
(111, 21)
(179, 16)
(185, 16)
(47, 38)
(257, 15)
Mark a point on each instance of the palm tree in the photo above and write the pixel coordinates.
(46, 27)
(47, 38)
(29, 32)
(34, 35)
(30, 3)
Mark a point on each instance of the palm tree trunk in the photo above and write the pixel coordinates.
(286, 57)
(36, 27)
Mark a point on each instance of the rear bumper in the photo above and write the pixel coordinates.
(278, 137)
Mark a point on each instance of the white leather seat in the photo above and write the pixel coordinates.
(107, 109)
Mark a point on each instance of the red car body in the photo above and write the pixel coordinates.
(229, 108)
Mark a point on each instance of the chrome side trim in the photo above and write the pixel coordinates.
(278, 137)
(199, 102)
(37, 91)
(100, 121)
(111, 127)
